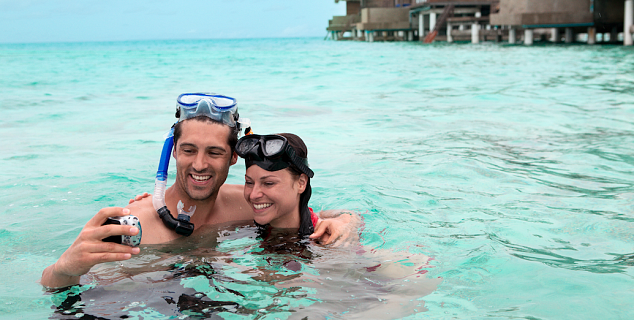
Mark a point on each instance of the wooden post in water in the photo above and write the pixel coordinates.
(528, 37)
(421, 27)
(475, 33)
(592, 35)
(570, 35)
(628, 22)
(614, 34)
(556, 37)
(449, 37)
(512, 35)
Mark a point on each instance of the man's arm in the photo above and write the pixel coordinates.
(88, 250)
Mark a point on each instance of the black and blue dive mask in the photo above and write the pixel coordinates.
(270, 152)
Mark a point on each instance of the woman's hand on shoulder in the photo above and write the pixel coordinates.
(139, 197)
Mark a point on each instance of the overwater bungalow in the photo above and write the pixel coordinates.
(562, 20)
(409, 20)
(372, 20)
(485, 20)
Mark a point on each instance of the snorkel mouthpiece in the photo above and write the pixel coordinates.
(181, 227)
(182, 214)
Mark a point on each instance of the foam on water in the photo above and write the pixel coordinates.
(511, 166)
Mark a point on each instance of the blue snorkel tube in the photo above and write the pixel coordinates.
(181, 225)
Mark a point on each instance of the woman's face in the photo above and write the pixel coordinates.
(274, 196)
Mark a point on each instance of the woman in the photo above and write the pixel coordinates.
(277, 186)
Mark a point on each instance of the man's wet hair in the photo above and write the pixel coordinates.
(233, 135)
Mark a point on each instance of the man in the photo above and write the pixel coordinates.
(204, 141)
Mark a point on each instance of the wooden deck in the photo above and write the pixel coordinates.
(455, 3)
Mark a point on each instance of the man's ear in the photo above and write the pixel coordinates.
(174, 152)
(302, 181)
(234, 158)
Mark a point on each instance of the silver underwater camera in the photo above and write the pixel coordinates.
(129, 220)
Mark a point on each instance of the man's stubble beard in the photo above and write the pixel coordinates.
(213, 193)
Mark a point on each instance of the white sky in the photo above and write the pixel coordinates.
(25, 21)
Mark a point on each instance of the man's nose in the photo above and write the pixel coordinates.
(199, 162)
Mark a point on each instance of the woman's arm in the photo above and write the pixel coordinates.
(337, 227)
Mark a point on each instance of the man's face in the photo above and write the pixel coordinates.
(203, 157)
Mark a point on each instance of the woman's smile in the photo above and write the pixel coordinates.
(261, 206)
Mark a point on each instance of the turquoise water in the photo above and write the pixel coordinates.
(511, 166)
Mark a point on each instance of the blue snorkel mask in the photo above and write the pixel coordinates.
(219, 108)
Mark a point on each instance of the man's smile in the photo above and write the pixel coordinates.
(200, 179)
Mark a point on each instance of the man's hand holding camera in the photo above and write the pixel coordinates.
(89, 249)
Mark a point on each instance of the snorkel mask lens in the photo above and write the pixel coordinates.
(273, 147)
(257, 147)
(270, 146)
(218, 107)
(271, 153)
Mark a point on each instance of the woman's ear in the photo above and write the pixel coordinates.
(302, 182)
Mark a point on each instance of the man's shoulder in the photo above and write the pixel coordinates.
(144, 210)
(154, 231)
(141, 207)
(231, 199)
(231, 190)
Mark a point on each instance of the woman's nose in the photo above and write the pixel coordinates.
(256, 192)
